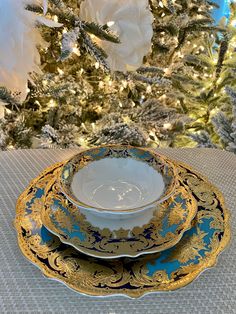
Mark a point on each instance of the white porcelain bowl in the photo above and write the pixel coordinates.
(117, 186)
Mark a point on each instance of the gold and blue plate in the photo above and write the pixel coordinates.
(171, 219)
(164, 271)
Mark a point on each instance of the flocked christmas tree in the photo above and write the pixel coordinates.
(157, 73)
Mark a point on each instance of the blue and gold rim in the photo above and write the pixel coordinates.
(153, 159)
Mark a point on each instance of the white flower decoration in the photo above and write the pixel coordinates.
(19, 39)
(131, 20)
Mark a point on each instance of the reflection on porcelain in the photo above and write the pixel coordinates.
(117, 185)
(165, 271)
(162, 230)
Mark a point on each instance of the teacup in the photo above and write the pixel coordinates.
(118, 186)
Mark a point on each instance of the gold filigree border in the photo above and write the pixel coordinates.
(207, 263)
(121, 249)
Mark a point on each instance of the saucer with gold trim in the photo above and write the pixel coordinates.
(168, 224)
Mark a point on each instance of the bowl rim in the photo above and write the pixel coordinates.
(164, 196)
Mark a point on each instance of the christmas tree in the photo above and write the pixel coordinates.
(146, 73)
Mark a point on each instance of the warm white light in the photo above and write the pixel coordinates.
(167, 126)
(60, 71)
(233, 22)
(110, 23)
(168, 71)
(52, 103)
(163, 96)
(76, 51)
(101, 84)
(124, 83)
(149, 89)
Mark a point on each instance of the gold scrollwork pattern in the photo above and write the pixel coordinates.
(170, 221)
(134, 277)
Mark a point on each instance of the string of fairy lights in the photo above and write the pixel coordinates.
(108, 84)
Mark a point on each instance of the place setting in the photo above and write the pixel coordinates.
(122, 220)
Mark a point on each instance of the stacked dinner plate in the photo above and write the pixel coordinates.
(121, 220)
